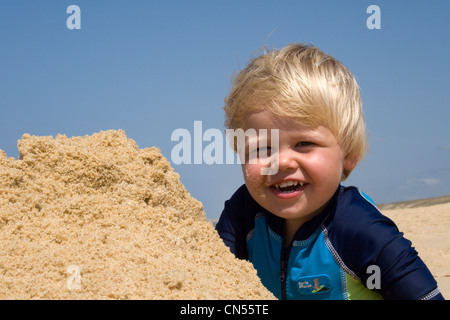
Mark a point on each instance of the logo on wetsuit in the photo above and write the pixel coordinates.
(314, 284)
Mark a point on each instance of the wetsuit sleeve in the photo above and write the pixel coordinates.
(373, 239)
(403, 273)
(231, 225)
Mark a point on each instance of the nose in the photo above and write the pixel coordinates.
(287, 160)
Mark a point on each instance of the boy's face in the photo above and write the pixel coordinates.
(310, 166)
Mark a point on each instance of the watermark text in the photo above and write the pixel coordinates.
(250, 146)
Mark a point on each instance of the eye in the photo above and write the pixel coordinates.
(304, 144)
(264, 151)
(260, 152)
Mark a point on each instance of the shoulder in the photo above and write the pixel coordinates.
(241, 205)
(363, 237)
(241, 197)
(354, 212)
(237, 219)
(358, 230)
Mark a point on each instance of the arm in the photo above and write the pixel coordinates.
(403, 273)
(231, 225)
(362, 236)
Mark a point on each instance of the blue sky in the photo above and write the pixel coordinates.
(151, 67)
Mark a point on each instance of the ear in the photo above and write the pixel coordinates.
(350, 163)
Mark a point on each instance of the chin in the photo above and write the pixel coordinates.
(287, 213)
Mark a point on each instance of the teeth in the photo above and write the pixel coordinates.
(288, 184)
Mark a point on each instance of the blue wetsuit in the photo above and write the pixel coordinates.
(339, 254)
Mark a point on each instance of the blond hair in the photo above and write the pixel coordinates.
(307, 85)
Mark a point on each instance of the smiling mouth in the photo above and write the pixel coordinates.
(288, 186)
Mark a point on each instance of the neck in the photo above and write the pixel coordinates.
(290, 228)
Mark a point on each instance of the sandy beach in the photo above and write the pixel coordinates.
(426, 223)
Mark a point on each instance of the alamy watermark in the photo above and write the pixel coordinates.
(374, 280)
(74, 278)
(252, 146)
(73, 22)
(374, 20)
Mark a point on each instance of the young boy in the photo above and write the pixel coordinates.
(307, 235)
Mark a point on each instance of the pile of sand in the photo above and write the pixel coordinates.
(96, 217)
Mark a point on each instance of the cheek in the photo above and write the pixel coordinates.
(325, 168)
(255, 182)
(252, 174)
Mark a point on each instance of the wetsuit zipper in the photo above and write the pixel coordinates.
(285, 251)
